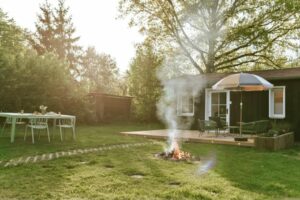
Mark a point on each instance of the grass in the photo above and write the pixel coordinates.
(87, 136)
(239, 173)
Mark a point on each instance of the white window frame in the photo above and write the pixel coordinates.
(208, 94)
(179, 105)
(271, 103)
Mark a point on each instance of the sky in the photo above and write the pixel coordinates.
(95, 22)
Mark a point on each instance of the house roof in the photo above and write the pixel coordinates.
(99, 94)
(279, 74)
(274, 74)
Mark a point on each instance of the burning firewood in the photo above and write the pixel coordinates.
(176, 154)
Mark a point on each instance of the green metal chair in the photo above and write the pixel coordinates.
(207, 126)
(256, 127)
(224, 126)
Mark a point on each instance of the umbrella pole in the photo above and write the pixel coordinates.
(241, 113)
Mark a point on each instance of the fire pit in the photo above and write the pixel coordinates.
(176, 154)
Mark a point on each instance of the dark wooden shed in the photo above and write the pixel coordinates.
(256, 105)
(111, 107)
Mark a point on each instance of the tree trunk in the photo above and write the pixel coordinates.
(210, 67)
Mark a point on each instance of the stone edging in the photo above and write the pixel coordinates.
(54, 155)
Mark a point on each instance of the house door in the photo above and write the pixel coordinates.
(217, 103)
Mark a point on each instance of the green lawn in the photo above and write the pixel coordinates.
(239, 173)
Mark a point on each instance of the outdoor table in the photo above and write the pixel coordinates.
(234, 128)
(15, 116)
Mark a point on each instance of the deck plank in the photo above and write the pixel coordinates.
(194, 136)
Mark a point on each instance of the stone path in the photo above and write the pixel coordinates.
(67, 153)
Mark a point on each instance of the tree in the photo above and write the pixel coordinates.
(28, 80)
(65, 41)
(11, 36)
(143, 83)
(11, 46)
(55, 33)
(219, 35)
(100, 71)
(44, 39)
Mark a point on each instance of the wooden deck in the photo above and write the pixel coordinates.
(195, 136)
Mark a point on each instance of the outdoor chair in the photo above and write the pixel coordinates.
(256, 127)
(8, 121)
(38, 124)
(220, 123)
(65, 124)
(262, 126)
(207, 125)
(224, 126)
(248, 127)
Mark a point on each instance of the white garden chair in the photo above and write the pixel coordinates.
(65, 124)
(38, 124)
(8, 121)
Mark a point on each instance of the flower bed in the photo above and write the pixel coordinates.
(274, 143)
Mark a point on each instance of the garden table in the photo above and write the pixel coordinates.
(233, 128)
(15, 116)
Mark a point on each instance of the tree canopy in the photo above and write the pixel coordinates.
(28, 79)
(217, 35)
(143, 83)
(100, 71)
(11, 36)
(55, 33)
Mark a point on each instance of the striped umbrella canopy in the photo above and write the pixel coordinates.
(242, 82)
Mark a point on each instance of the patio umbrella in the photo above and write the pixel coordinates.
(242, 82)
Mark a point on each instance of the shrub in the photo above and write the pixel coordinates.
(278, 128)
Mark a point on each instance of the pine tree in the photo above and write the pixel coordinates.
(44, 39)
(55, 33)
(65, 41)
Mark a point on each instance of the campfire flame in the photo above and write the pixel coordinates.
(177, 154)
(174, 153)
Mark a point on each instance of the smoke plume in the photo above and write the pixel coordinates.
(174, 90)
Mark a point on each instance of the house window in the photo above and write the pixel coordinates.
(277, 102)
(185, 105)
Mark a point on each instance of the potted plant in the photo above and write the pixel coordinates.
(43, 109)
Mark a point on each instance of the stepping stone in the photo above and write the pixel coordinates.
(137, 176)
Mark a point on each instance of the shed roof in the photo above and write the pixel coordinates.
(99, 94)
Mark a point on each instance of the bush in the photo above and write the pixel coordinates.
(281, 126)
(29, 80)
(278, 128)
